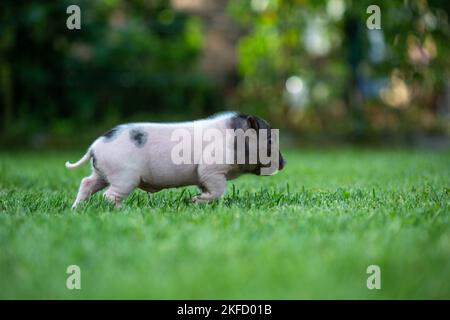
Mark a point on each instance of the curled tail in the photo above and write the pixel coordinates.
(80, 162)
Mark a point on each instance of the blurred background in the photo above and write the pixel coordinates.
(312, 68)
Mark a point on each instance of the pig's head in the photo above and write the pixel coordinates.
(264, 149)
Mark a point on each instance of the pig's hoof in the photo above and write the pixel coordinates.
(198, 199)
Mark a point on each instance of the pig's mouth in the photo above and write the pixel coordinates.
(281, 163)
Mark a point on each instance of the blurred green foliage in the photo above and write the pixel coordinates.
(310, 66)
(347, 80)
(129, 57)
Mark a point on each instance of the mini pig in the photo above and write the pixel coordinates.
(141, 155)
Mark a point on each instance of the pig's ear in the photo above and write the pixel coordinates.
(252, 123)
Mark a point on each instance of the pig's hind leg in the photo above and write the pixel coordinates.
(119, 189)
(89, 186)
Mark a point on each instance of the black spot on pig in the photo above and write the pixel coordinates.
(239, 121)
(138, 137)
(245, 122)
(111, 134)
(95, 166)
(94, 161)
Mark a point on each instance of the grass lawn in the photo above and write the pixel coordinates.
(311, 231)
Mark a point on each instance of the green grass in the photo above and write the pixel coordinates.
(311, 231)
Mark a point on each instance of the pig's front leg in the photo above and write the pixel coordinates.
(213, 187)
